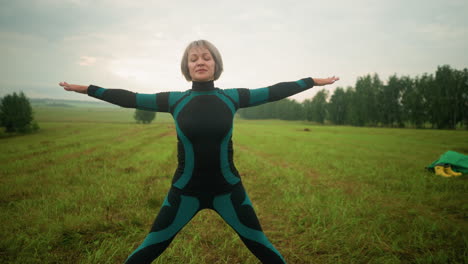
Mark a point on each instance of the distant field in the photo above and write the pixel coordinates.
(87, 187)
(90, 114)
(70, 103)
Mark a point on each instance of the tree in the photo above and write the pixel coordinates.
(288, 109)
(145, 117)
(389, 101)
(364, 101)
(285, 109)
(414, 100)
(16, 114)
(460, 102)
(337, 107)
(446, 97)
(351, 112)
(463, 86)
(317, 108)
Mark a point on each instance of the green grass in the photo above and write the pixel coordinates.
(86, 189)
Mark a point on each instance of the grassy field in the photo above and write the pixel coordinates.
(87, 187)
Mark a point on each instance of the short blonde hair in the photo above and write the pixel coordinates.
(214, 53)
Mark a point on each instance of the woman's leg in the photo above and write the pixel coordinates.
(237, 210)
(176, 211)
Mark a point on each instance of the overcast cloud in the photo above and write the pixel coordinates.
(137, 45)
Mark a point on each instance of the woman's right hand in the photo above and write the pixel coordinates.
(74, 87)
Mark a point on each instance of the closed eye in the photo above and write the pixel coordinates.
(193, 58)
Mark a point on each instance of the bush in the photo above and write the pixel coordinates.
(16, 114)
(145, 117)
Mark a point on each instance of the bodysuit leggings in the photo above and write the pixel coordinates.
(178, 209)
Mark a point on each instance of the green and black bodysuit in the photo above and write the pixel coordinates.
(206, 176)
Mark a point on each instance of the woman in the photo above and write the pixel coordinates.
(206, 176)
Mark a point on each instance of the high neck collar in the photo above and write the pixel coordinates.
(202, 86)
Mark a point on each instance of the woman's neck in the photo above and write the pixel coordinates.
(202, 86)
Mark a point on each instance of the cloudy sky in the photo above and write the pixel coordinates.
(137, 45)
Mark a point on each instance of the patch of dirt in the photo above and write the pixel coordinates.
(130, 170)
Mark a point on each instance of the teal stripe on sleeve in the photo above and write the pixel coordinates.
(259, 95)
(302, 84)
(146, 101)
(99, 92)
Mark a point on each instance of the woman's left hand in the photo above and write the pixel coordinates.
(326, 81)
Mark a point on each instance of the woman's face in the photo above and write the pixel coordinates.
(201, 64)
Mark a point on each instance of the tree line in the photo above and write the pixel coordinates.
(437, 100)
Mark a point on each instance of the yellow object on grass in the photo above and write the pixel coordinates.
(440, 170)
(448, 170)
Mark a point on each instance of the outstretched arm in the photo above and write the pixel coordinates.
(253, 97)
(151, 102)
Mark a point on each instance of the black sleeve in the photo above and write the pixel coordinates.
(151, 102)
(253, 97)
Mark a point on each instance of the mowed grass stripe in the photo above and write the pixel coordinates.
(55, 139)
(93, 155)
(82, 143)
